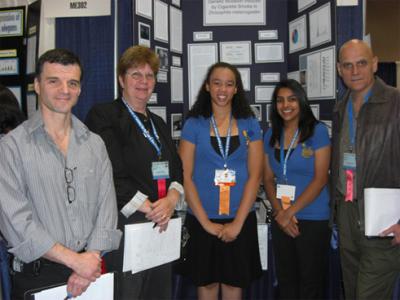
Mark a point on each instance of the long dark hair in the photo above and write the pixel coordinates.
(240, 106)
(10, 114)
(307, 120)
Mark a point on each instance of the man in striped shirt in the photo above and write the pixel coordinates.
(57, 200)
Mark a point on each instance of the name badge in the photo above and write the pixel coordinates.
(225, 177)
(160, 169)
(285, 190)
(349, 161)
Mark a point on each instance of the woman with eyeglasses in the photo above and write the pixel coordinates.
(147, 169)
(221, 152)
(297, 155)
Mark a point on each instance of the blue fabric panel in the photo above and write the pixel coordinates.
(349, 26)
(92, 39)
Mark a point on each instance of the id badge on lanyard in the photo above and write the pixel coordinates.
(159, 169)
(286, 192)
(160, 172)
(349, 157)
(349, 166)
(224, 179)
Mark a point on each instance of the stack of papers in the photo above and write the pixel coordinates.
(145, 247)
(101, 289)
(382, 209)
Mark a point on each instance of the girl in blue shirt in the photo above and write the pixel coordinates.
(221, 150)
(297, 156)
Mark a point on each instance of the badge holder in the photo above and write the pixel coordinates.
(349, 165)
(160, 172)
(286, 194)
(224, 179)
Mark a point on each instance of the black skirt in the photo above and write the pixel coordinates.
(209, 260)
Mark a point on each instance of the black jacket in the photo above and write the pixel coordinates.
(131, 154)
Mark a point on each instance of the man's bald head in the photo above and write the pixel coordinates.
(357, 66)
(355, 43)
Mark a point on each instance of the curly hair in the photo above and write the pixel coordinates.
(240, 106)
(307, 120)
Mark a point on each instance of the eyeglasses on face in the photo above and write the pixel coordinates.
(69, 178)
(136, 75)
(349, 66)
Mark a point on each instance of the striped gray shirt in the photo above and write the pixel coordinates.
(35, 212)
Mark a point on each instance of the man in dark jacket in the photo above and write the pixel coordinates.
(366, 149)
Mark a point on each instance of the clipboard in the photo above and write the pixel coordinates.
(34, 294)
(382, 209)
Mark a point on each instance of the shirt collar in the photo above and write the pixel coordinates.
(366, 97)
(36, 123)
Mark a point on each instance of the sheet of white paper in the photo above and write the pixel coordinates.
(304, 4)
(144, 8)
(200, 57)
(175, 29)
(176, 85)
(31, 54)
(68, 8)
(320, 25)
(146, 247)
(160, 111)
(321, 74)
(347, 2)
(160, 21)
(382, 209)
(262, 231)
(294, 75)
(101, 289)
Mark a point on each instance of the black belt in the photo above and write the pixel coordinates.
(33, 267)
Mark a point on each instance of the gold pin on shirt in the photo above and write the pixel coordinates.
(306, 152)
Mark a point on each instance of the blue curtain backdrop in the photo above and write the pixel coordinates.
(349, 22)
(125, 25)
(92, 39)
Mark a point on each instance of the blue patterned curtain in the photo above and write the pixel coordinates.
(349, 26)
(92, 39)
(125, 25)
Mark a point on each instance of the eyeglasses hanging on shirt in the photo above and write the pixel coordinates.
(69, 178)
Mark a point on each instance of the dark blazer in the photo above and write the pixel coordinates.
(131, 154)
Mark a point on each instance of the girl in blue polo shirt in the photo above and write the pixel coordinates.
(221, 151)
(297, 156)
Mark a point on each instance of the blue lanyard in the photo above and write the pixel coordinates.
(224, 153)
(350, 118)
(282, 145)
(146, 134)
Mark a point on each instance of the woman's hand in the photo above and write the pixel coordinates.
(292, 229)
(230, 232)
(162, 210)
(213, 228)
(287, 222)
